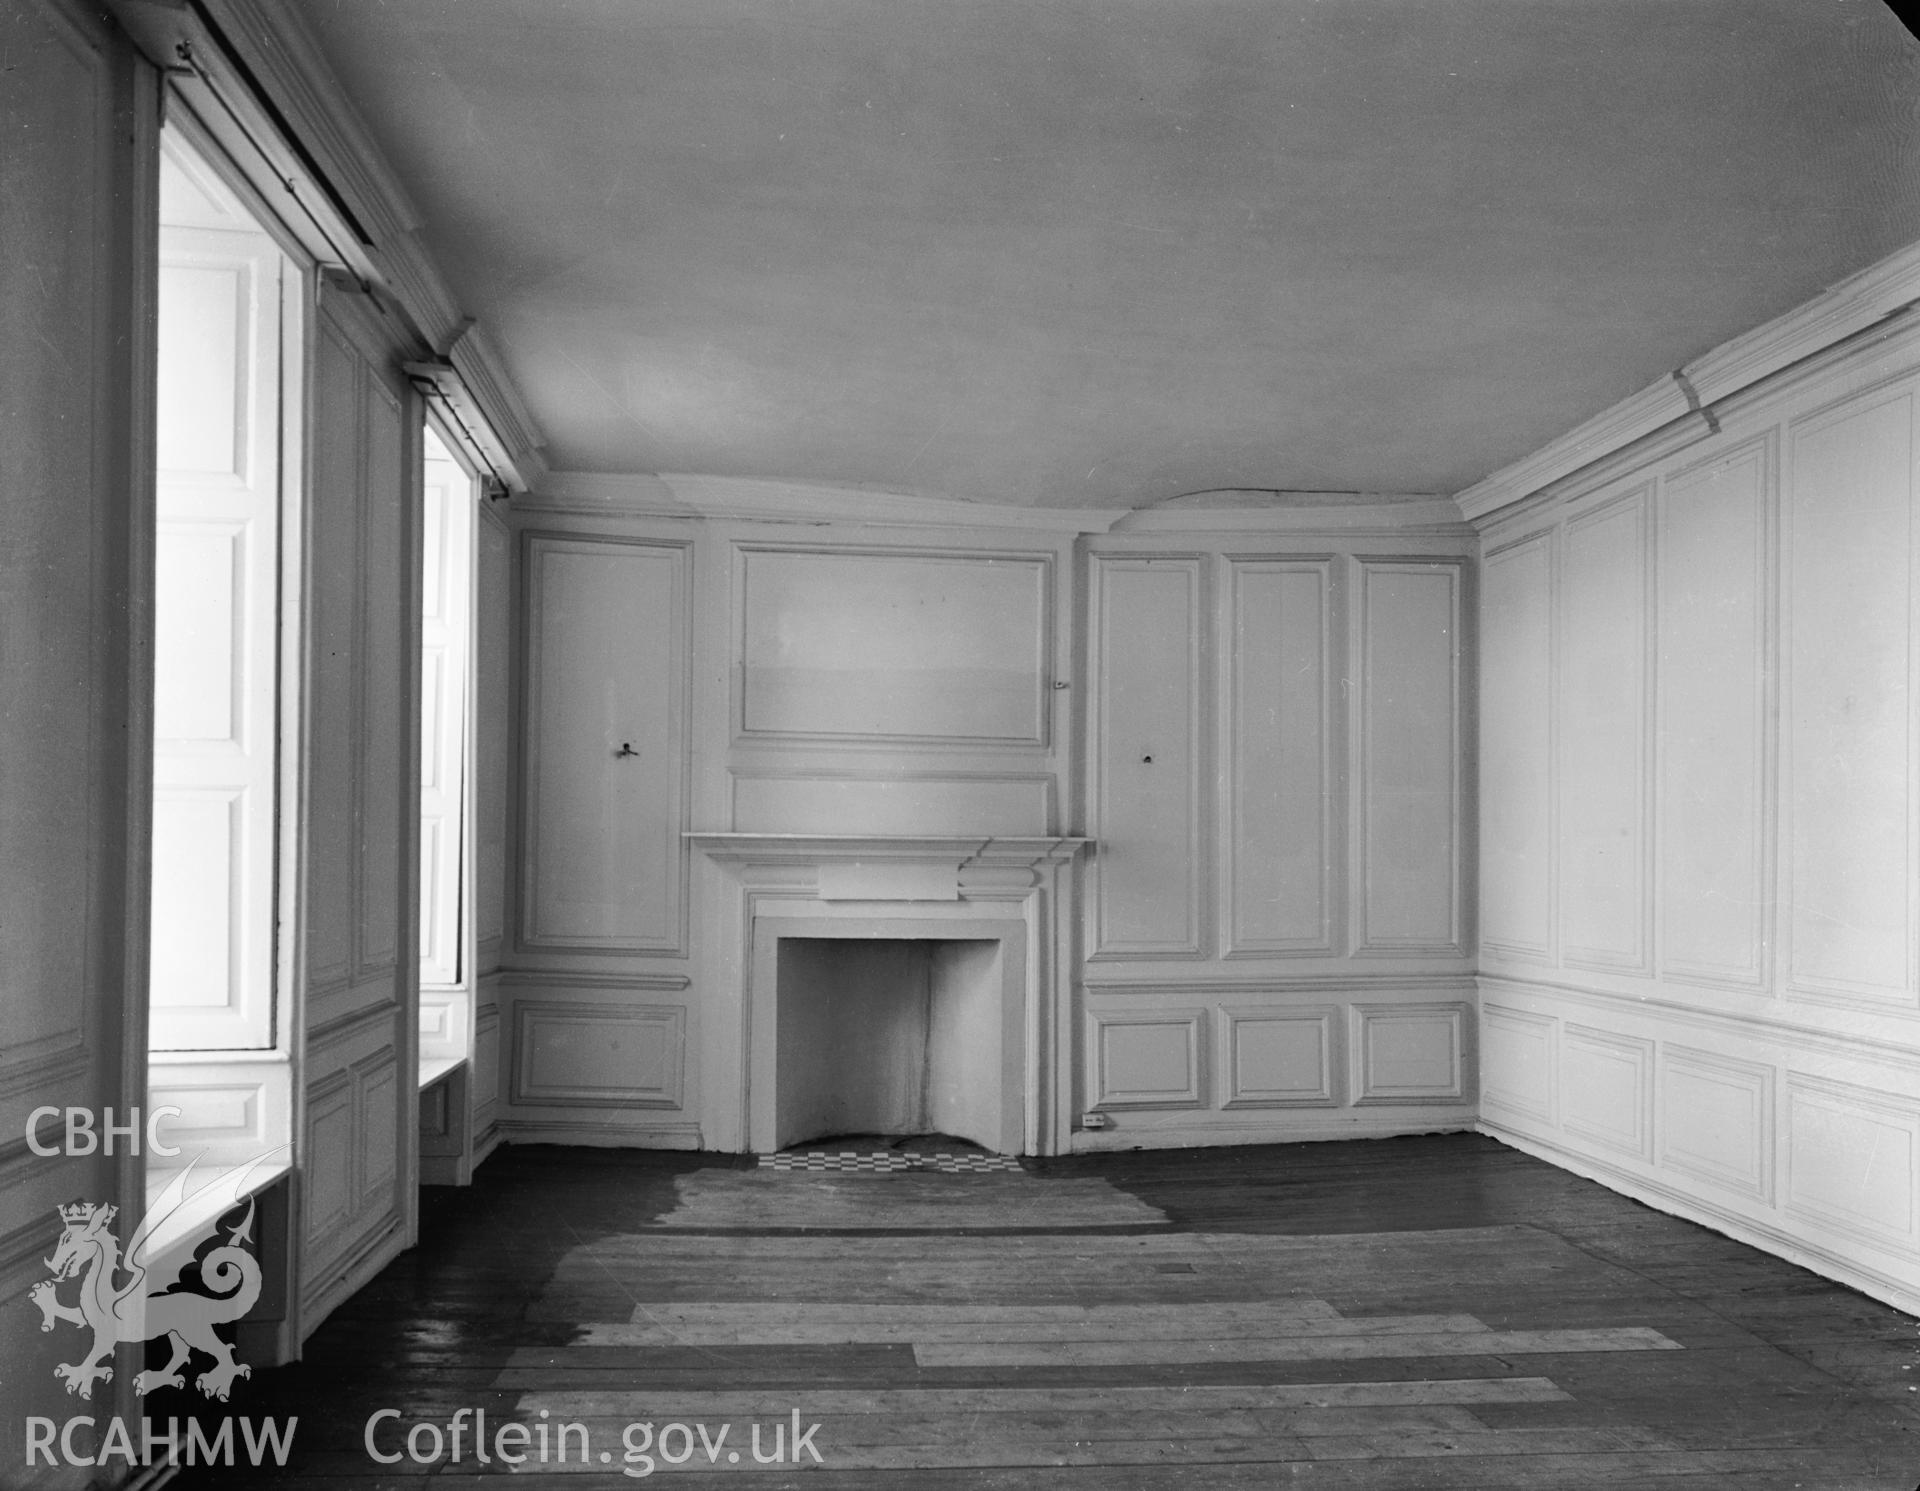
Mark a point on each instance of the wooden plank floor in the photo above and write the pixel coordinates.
(1433, 1312)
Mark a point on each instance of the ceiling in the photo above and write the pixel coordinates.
(1106, 253)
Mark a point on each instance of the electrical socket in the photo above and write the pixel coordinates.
(1093, 1120)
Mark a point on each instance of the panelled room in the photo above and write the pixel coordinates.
(1105, 743)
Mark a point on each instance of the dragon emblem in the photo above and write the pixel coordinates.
(147, 1303)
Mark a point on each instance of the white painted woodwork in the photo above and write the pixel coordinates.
(1146, 754)
(1279, 1058)
(74, 465)
(578, 1054)
(1848, 592)
(1607, 1086)
(1280, 812)
(1146, 1058)
(216, 620)
(333, 620)
(986, 1048)
(894, 646)
(447, 505)
(488, 1049)
(359, 826)
(1713, 667)
(1318, 698)
(606, 739)
(1410, 1053)
(1408, 747)
(1602, 884)
(1716, 1119)
(1516, 749)
(1746, 1054)
(1237, 665)
(1853, 1161)
(1517, 1050)
(901, 801)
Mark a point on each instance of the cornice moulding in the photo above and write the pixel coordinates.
(1439, 516)
(1633, 418)
(1687, 395)
(767, 500)
(764, 500)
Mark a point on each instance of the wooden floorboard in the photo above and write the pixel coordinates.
(1434, 1313)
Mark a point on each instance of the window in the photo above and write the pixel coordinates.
(447, 509)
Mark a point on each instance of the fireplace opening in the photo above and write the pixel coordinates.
(890, 1036)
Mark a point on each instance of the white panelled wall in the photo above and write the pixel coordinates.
(1265, 731)
(1277, 747)
(1697, 876)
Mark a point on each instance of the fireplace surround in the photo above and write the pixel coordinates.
(850, 949)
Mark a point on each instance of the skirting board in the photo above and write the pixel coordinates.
(1690, 1208)
(1295, 1129)
(600, 1135)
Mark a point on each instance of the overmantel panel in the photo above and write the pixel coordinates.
(844, 646)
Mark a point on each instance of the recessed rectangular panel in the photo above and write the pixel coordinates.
(1411, 1053)
(1849, 809)
(894, 646)
(1602, 700)
(229, 1114)
(379, 1130)
(606, 723)
(1280, 1058)
(199, 649)
(1146, 1059)
(1148, 868)
(570, 1054)
(332, 816)
(1409, 726)
(203, 349)
(490, 713)
(439, 1020)
(1281, 789)
(1516, 750)
(1716, 1120)
(438, 486)
(327, 1168)
(1516, 1062)
(1607, 1089)
(486, 1067)
(196, 956)
(1712, 668)
(1853, 1164)
(386, 746)
(433, 688)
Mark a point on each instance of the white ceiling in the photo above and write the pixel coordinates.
(1101, 253)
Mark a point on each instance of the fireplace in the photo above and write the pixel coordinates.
(893, 1035)
(899, 985)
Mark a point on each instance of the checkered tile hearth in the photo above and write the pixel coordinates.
(882, 1161)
